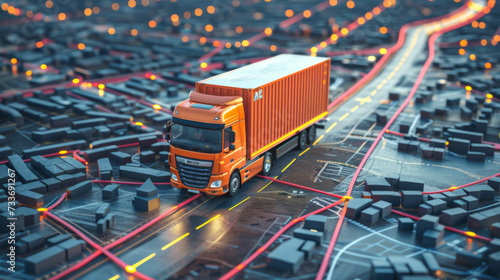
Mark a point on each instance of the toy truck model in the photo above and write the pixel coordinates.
(235, 124)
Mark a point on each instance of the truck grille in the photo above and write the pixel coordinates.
(194, 176)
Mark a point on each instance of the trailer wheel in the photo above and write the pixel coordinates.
(268, 164)
(234, 183)
(303, 140)
(311, 134)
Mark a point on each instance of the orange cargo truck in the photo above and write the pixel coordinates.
(235, 124)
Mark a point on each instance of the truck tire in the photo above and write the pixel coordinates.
(268, 164)
(234, 184)
(302, 140)
(311, 134)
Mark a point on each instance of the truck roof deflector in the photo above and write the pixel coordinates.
(214, 99)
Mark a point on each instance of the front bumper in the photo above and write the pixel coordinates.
(211, 191)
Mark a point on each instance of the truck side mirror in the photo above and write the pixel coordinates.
(232, 137)
(167, 129)
(232, 147)
(167, 137)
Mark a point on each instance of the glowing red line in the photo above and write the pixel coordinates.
(402, 135)
(464, 186)
(128, 145)
(61, 199)
(122, 239)
(114, 258)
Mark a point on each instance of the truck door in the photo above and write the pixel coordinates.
(230, 154)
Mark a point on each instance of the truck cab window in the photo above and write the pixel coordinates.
(226, 136)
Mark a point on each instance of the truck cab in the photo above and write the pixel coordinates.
(208, 144)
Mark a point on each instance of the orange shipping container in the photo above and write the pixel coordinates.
(281, 96)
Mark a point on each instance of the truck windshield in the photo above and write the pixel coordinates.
(196, 138)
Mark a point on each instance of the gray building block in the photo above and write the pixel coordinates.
(494, 245)
(432, 237)
(316, 236)
(437, 205)
(424, 209)
(453, 216)
(468, 259)
(72, 248)
(411, 199)
(102, 211)
(426, 222)
(458, 146)
(406, 183)
(105, 169)
(356, 205)
(308, 248)
(316, 222)
(110, 191)
(381, 270)
(52, 184)
(31, 216)
(79, 188)
(45, 260)
(34, 241)
(370, 215)
(58, 239)
(392, 197)
(121, 157)
(495, 230)
(287, 256)
(494, 183)
(376, 184)
(384, 207)
(405, 224)
(146, 204)
(30, 199)
(472, 202)
(494, 263)
(147, 189)
(459, 203)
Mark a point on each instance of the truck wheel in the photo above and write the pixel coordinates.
(234, 184)
(268, 164)
(311, 134)
(303, 140)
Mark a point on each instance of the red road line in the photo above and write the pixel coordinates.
(114, 258)
(432, 41)
(63, 197)
(299, 186)
(402, 135)
(264, 247)
(128, 145)
(125, 182)
(122, 239)
(462, 232)
(463, 186)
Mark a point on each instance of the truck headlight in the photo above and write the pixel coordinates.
(173, 176)
(216, 184)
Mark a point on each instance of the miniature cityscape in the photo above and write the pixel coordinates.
(250, 139)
